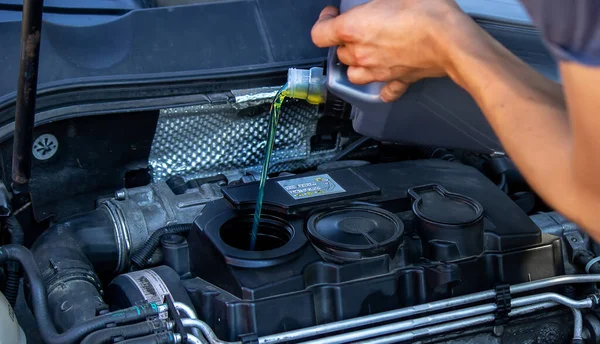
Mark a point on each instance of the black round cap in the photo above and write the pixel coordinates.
(436, 204)
(362, 229)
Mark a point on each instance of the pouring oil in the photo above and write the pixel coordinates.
(302, 84)
(274, 113)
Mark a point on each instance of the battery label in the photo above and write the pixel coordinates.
(313, 186)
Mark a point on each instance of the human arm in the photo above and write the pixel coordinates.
(553, 138)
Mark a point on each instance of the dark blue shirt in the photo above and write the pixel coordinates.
(571, 28)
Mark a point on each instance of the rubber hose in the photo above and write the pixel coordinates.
(11, 284)
(13, 270)
(105, 336)
(583, 257)
(41, 311)
(144, 253)
(158, 338)
(71, 255)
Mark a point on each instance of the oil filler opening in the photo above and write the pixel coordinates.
(273, 232)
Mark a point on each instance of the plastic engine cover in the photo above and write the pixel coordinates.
(339, 244)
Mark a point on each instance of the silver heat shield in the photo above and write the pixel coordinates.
(229, 137)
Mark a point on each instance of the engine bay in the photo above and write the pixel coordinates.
(129, 194)
(428, 250)
(360, 241)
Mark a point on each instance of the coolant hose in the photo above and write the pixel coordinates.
(40, 303)
(13, 273)
(144, 253)
(105, 336)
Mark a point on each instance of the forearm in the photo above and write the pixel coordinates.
(528, 113)
(582, 92)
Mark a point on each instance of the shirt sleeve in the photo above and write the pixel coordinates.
(571, 28)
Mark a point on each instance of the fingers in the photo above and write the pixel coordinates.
(360, 75)
(363, 75)
(355, 55)
(324, 33)
(329, 11)
(346, 56)
(393, 90)
(390, 92)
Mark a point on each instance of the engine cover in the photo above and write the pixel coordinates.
(344, 243)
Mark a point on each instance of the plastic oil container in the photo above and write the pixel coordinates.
(437, 112)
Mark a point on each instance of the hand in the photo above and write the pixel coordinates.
(394, 41)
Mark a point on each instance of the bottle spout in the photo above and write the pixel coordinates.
(307, 84)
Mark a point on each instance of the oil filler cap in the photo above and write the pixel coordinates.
(355, 232)
(435, 204)
(450, 225)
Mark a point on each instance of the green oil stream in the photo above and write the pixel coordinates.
(273, 119)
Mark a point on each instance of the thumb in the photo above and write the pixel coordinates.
(393, 90)
(324, 33)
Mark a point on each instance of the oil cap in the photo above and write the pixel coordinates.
(450, 225)
(355, 232)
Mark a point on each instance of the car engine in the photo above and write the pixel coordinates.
(381, 250)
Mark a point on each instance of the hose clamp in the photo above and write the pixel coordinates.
(121, 235)
(588, 266)
(595, 298)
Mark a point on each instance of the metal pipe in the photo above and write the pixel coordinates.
(560, 299)
(454, 325)
(433, 330)
(191, 339)
(557, 298)
(523, 305)
(577, 325)
(532, 308)
(185, 309)
(190, 313)
(433, 319)
(206, 330)
(430, 330)
(320, 330)
(425, 322)
(554, 281)
(31, 29)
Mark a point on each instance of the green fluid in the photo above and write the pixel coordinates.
(273, 119)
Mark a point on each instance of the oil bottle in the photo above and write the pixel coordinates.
(433, 112)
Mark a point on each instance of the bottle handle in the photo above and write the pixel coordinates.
(338, 83)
